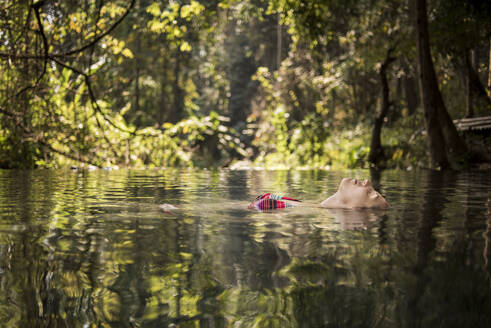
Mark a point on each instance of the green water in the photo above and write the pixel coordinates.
(92, 249)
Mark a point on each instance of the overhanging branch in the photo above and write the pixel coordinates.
(36, 7)
(92, 43)
(99, 37)
(92, 97)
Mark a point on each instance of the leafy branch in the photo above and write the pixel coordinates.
(36, 6)
(56, 58)
(45, 143)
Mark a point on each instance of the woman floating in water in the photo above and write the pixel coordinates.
(351, 193)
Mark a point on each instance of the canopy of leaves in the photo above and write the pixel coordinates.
(279, 83)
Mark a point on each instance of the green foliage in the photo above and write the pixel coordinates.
(319, 141)
(281, 83)
(108, 140)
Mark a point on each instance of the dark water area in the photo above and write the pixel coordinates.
(93, 249)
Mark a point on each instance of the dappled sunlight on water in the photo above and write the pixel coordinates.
(93, 248)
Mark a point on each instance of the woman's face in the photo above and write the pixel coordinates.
(353, 193)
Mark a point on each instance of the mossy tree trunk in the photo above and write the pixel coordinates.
(376, 150)
(442, 135)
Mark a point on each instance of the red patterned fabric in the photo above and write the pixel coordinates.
(270, 201)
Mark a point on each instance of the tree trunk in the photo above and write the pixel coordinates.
(239, 72)
(137, 87)
(357, 93)
(363, 96)
(376, 149)
(476, 93)
(455, 146)
(489, 70)
(278, 42)
(176, 113)
(487, 241)
(430, 94)
(332, 110)
(163, 96)
(178, 103)
(410, 94)
(136, 62)
(469, 109)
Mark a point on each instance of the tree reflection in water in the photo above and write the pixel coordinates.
(91, 248)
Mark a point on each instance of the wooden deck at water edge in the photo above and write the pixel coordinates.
(473, 124)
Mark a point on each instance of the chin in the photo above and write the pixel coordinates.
(329, 203)
(333, 202)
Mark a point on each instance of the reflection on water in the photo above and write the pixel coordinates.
(83, 249)
(356, 219)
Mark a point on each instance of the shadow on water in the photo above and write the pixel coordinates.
(84, 249)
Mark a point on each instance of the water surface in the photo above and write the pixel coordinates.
(92, 249)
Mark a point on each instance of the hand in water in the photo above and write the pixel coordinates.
(168, 208)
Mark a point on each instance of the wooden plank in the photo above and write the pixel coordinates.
(474, 119)
(475, 123)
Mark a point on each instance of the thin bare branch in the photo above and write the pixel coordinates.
(73, 51)
(36, 7)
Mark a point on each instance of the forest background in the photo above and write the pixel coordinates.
(274, 84)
